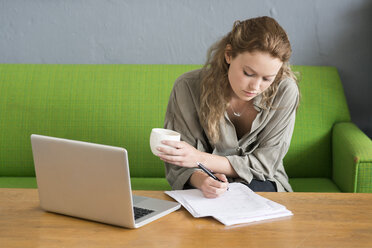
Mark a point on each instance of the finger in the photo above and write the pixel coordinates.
(221, 191)
(222, 177)
(213, 192)
(210, 196)
(168, 151)
(166, 161)
(215, 183)
(220, 188)
(173, 143)
(170, 159)
(210, 192)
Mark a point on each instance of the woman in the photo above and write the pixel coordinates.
(236, 114)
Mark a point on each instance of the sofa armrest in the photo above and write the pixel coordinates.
(352, 158)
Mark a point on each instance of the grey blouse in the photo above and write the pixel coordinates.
(256, 155)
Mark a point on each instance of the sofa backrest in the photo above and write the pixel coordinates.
(119, 105)
(322, 104)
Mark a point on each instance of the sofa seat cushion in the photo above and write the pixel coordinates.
(313, 185)
(18, 182)
(138, 183)
(141, 183)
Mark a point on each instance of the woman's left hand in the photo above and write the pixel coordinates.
(180, 153)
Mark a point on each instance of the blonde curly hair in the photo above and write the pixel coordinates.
(262, 34)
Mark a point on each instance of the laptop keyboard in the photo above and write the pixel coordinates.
(140, 212)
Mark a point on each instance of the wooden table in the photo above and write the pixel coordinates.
(320, 220)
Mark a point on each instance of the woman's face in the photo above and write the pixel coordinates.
(251, 73)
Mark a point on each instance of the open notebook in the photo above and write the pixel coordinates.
(238, 205)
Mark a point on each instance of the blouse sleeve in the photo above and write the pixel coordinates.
(181, 116)
(262, 159)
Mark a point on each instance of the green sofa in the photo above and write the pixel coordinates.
(118, 105)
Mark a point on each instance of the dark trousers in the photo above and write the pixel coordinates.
(261, 186)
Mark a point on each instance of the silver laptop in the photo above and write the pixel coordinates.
(91, 181)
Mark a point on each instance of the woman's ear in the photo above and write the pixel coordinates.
(228, 53)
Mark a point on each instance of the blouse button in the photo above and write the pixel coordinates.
(239, 150)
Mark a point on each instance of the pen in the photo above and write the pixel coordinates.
(201, 166)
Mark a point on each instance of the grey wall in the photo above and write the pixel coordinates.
(323, 32)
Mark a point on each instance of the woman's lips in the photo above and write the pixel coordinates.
(248, 93)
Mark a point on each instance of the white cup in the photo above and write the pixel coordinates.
(160, 134)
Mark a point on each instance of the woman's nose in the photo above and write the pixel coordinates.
(254, 84)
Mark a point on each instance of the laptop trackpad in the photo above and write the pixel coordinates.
(137, 199)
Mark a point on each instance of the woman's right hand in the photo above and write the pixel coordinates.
(211, 188)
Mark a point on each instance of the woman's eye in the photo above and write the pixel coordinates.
(249, 75)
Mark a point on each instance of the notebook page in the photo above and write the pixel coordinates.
(238, 201)
(228, 220)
